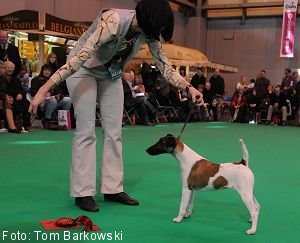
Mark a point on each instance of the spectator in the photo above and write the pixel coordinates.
(51, 103)
(23, 76)
(287, 82)
(133, 101)
(210, 101)
(261, 85)
(242, 83)
(182, 71)
(3, 92)
(251, 84)
(218, 91)
(277, 104)
(16, 103)
(239, 106)
(52, 61)
(252, 106)
(198, 78)
(9, 52)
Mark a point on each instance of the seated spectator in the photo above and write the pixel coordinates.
(23, 76)
(52, 101)
(140, 93)
(52, 61)
(201, 113)
(251, 84)
(252, 106)
(184, 103)
(133, 101)
(239, 106)
(210, 101)
(293, 99)
(277, 104)
(243, 83)
(3, 91)
(16, 104)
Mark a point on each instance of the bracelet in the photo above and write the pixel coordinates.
(187, 88)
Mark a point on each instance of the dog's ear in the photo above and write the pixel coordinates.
(171, 142)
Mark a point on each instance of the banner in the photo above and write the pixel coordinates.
(65, 27)
(20, 20)
(288, 28)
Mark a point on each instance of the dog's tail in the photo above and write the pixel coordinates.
(245, 153)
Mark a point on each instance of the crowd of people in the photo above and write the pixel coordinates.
(17, 89)
(254, 101)
(261, 102)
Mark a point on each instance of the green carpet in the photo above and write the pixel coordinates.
(35, 186)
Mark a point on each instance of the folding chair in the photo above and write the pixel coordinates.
(166, 111)
(130, 115)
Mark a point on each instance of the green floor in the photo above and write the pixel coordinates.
(34, 185)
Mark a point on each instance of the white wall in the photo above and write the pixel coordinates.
(254, 46)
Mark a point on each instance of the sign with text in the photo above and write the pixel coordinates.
(288, 28)
(65, 27)
(20, 20)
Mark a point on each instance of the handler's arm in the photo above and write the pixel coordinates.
(168, 72)
(106, 30)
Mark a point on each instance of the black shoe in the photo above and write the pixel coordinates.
(121, 197)
(284, 123)
(87, 204)
(14, 130)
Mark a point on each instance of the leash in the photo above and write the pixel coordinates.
(188, 117)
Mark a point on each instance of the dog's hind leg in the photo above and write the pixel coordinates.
(189, 209)
(251, 204)
(257, 208)
(185, 199)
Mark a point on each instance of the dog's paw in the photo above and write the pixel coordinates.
(251, 232)
(178, 219)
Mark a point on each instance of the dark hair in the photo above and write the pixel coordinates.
(155, 17)
(45, 67)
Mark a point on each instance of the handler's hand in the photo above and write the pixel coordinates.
(197, 96)
(40, 96)
(37, 100)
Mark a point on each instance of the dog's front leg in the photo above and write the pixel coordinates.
(189, 208)
(185, 199)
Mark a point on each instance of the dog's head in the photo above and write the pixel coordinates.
(165, 144)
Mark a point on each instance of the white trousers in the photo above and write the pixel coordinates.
(85, 88)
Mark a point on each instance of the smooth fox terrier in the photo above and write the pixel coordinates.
(199, 173)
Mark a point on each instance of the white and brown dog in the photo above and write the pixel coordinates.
(199, 173)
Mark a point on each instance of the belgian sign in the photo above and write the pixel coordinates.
(65, 27)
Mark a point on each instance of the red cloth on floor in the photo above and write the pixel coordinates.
(68, 223)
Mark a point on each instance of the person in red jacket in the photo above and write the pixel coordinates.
(239, 106)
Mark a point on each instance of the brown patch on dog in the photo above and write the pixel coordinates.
(220, 182)
(242, 162)
(200, 173)
(179, 146)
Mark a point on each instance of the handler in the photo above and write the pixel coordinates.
(93, 71)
